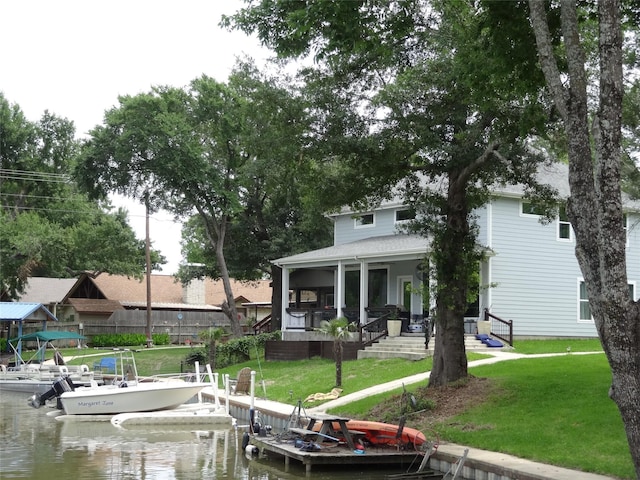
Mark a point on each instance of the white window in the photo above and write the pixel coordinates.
(529, 208)
(584, 310)
(365, 220)
(564, 226)
(405, 215)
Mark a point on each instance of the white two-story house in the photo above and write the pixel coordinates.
(530, 274)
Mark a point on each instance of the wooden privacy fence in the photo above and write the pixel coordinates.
(182, 330)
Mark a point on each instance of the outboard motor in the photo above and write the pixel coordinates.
(64, 384)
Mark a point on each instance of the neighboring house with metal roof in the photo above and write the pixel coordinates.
(14, 316)
(530, 273)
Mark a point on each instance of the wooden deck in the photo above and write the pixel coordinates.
(331, 453)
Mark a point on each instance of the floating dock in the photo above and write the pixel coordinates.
(199, 414)
(189, 414)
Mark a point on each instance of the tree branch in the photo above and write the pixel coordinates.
(547, 58)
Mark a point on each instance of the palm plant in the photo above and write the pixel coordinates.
(338, 329)
(211, 336)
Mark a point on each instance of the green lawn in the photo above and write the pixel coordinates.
(553, 410)
(557, 346)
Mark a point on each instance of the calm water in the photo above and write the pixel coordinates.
(35, 446)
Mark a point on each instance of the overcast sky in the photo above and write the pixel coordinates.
(74, 57)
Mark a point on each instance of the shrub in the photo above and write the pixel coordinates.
(236, 350)
(128, 339)
(160, 338)
(196, 355)
(118, 340)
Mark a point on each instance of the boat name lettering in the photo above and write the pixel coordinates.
(95, 403)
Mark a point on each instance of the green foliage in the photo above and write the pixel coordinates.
(47, 227)
(239, 350)
(234, 351)
(212, 334)
(221, 150)
(196, 355)
(127, 339)
(415, 99)
(3, 344)
(161, 338)
(338, 328)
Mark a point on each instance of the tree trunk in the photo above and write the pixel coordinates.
(449, 357)
(453, 262)
(595, 205)
(337, 352)
(229, 306)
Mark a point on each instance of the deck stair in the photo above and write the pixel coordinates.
(411, 347)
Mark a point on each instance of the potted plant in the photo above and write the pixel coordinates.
(394, 324)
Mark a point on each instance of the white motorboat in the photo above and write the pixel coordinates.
(35, 375)
(125, 394)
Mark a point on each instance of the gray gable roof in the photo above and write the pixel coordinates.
(554, 174)
(384, 248)
(46, 290)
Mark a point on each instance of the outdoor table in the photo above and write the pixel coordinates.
(326, 429)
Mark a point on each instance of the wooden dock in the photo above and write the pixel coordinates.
(331, 453)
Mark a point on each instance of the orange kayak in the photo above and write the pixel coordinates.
(378, 433)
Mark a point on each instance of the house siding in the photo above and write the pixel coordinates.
(529, 276)
(536, 276)
(346, 231)
(633, 251)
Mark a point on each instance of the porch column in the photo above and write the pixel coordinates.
(285, 297)
(487, 280)
(364, 291)
(339, 289)
(432, 298)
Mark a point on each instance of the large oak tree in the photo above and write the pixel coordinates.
(410, 93)
(225, 154)
(592, 117)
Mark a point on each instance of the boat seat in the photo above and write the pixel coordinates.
(106, 365)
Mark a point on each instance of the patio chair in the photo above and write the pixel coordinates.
(242, 384)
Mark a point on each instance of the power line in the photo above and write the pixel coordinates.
(25, 175)
(83, 212)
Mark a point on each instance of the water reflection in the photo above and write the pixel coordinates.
(36, 446)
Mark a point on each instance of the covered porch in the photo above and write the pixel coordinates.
(365, 280)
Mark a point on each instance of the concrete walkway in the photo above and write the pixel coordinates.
(480, 464)
(497, 356)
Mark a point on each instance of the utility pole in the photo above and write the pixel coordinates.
(148, 262)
